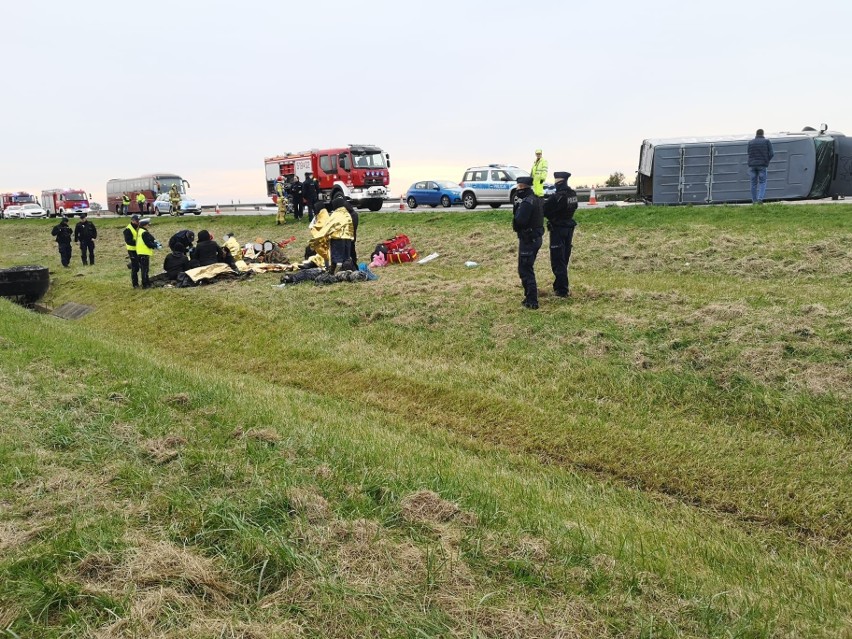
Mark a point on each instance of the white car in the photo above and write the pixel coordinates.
(493, 184)
(13, 212)
(163, 205)
(32, 210)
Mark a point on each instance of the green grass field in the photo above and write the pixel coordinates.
(665, 454)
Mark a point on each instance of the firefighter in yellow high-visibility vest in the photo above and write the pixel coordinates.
(538, 173)
(283, 200)
(174, 199)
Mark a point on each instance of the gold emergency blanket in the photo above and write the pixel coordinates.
(208, 272)
(325, 227)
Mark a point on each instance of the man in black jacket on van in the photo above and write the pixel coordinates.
(559, 210)
(760, 154)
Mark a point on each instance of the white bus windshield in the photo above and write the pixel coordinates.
(167, 182)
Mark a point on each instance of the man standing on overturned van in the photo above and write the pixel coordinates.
(760, 154)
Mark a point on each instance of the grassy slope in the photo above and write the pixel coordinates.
(704, 356)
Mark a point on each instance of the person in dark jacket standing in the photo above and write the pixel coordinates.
(85, 233)
(760, 154)
(296, 196)
(528, 223)
(131, 233)
(310, 193)
(559, 210)
(62, 233)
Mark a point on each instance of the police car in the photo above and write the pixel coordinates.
(493, 184)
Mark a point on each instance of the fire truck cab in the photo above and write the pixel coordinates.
(15, 199)
(70, 202)
(360, 172)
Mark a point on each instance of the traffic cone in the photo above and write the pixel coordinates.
(401, 202)
(218, 212)
(592, 199)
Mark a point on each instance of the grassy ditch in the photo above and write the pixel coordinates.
(664, 454)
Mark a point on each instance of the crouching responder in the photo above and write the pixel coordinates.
(174, 199)
(131, 234)
(281, 191)
(528, 224)
(146, 244)
(559, 210)
(176, 262)
(185, 238)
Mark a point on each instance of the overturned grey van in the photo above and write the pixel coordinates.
(807, 165)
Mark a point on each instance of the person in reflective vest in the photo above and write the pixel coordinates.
(125, 204)
(146, 243)
(140, 202)
(174, 199)
(131, 234)
(280, 190)
(538, 173)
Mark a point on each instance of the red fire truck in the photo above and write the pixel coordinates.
(68, 202)
(16, 199)
(360, 172)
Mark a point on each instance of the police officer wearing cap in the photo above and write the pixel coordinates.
(85, 233)
(131, 234)
(528, 223)
(559, 210)
(310, 192)
(146, 244)
(62, 232)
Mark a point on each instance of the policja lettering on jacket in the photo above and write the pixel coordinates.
(559, 210)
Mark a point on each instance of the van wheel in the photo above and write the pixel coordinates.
(469, 200)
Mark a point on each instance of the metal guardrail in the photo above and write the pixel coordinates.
(604, 193)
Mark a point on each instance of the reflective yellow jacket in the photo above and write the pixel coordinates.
(539, 176)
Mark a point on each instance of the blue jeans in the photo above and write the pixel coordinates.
(758, 182)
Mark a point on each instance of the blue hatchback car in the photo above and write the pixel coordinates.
(433, 193)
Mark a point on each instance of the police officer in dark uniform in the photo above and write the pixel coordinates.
(528, 223)
(62, 232)
(85, 233)
(296, 195)
(310, 191)
(559, 210)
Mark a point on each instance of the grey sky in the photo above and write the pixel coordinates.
(95, 90)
